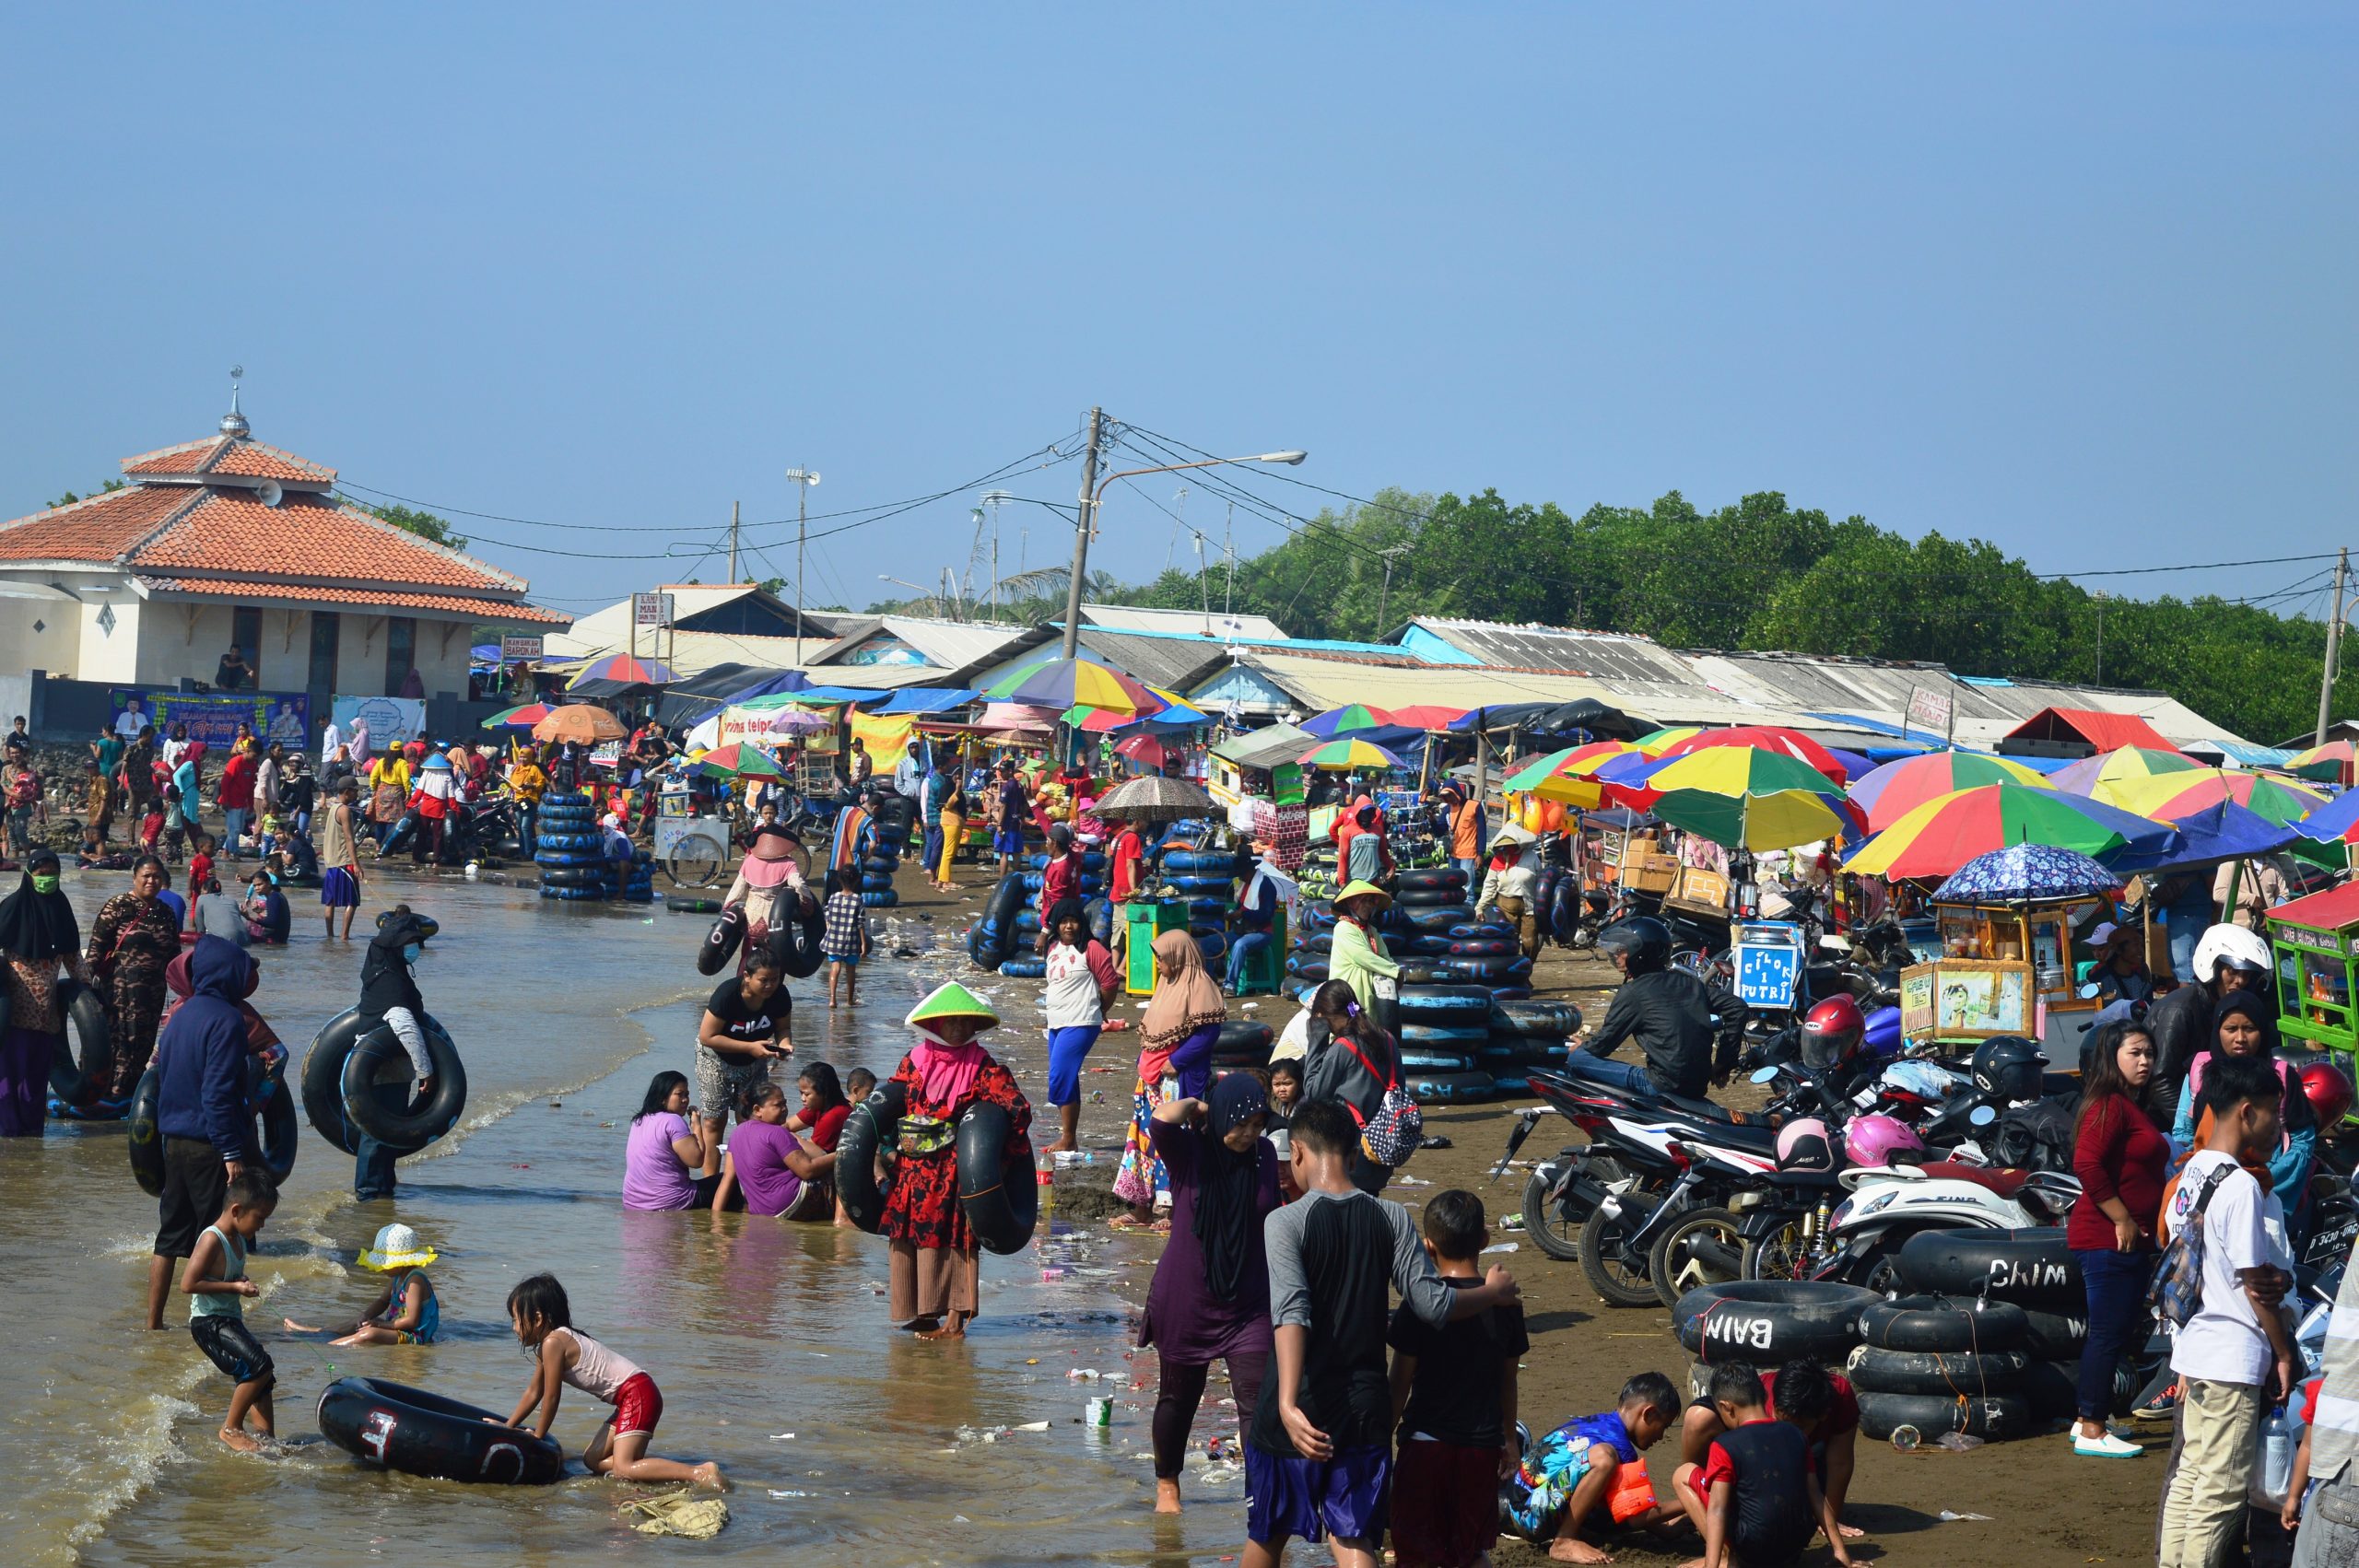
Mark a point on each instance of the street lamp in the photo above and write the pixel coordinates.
(1089, 524)
(802, 479)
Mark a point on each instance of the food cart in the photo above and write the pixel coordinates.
(693, 848)
(2003, 969)
(2316, 940)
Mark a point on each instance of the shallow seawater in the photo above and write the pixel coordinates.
(767, 1339)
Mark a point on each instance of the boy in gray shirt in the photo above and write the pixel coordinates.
(1317, 1463)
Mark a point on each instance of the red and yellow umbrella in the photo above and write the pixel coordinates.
(1892, 791)
(1567, 775)
(1428, 716)
(2170, 795)
(2330, 762)
(2123, 762)
(1657, 742)
(1746, 798)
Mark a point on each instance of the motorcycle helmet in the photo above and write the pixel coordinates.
(1882, 1036)
(1643, 939)
(1879, 1140)
(2329, 1088)
(2232, 946)
(2008, 1067)
(1831, 1033)
(1805, 1144)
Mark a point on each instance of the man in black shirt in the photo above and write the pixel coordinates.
(1674, 1015)
(233, 671)
(745, 1029)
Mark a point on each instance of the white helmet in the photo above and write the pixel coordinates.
(2232, 946)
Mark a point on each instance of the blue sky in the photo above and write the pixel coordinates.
(2075, 279)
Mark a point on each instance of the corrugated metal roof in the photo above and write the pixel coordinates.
(1216, 623)
(1267, 748)
(1614, 656)
(950, 648)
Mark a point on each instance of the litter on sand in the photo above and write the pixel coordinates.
(1499, 1247)
(678, 1514)
(1949, 1518)
(782, 1437)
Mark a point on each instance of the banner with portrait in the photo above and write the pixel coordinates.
(214, 716)
(393, 721)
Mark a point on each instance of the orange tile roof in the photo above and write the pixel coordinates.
(308, 536)
(488, 610)
(227, 454)
(98, 529)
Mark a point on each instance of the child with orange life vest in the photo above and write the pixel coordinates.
(1586, 1476)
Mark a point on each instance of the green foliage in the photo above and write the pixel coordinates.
(425, 525)
(68, 498)
(1762, 575)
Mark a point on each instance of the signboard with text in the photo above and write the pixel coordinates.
(651, 609)
(517, 649)
(1931, 707)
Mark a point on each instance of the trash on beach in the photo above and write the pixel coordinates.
(782, 1437)
(678, 1514)
(1947, 1517)
(1499, 1247)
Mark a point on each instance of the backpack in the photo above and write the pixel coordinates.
(2178, 1291)
(1392, 1134)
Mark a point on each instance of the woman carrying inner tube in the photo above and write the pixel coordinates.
(38, 936)
(136, 935)
(1182, 1021)
(935, 1264)
(769, 885)
(388, 997)
(1210, 1300)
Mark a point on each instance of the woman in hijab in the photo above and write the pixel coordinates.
(936, 1269)
(1210, 1300)
(769, 884)
(1183, 1018)
(37, 935)
(2245, 1023)
(135, 936)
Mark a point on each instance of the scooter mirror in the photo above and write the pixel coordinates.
(1765, 1075)
(1982, 1116)
(2089, 992)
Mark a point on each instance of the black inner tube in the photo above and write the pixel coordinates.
(79, 1064)
(996, 1190)
(425, 1434)
(868, 1132)
(720, 943)
(377, 1079)
(145, 1140)
(323, 1079)
(795, 941)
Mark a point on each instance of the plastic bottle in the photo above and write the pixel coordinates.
(2276, 1454)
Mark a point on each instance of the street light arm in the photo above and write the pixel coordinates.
(1289, 457)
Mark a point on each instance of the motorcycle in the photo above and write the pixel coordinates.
(1890, 1204)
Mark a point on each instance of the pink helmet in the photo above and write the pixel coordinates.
(1805, 1144)
(1876, 1139)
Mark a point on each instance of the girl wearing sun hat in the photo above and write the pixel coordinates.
(935, 1266)
(405, 1311)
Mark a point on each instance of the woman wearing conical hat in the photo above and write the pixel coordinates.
(935, 1266)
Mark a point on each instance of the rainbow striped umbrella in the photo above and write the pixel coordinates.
(1657, 742)
(1351, 716)
(742, 760)
(1567, 775)
(522, 718)
(2330, 762)
(2129, 762)
(1069, 683)
(1745, 798)
(2170, 795)
(1947, 831)
(1892, 791)
(1350, 755)
(1764, 738)
(625, 671)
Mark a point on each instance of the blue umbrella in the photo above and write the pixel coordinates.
(2332, 823)
(2022, 872)
(2224, 831)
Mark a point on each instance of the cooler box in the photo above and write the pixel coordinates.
(1142, 923)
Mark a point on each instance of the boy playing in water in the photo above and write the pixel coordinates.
(1576, 1477)
(1454, 1400)
(217, 1284)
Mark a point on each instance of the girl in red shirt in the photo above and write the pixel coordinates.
(2121, 1158)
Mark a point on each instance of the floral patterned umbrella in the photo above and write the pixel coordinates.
(2024, 873)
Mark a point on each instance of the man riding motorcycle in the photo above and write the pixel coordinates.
(1675, 1017)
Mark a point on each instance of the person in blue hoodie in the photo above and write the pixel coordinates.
(201, 1109)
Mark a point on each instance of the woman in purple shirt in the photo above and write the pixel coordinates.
(1210, 1300)
(664, 1150)
(769, 1163)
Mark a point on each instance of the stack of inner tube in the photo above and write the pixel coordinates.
(78, 1073)
(568, 850)
(1522, 1034)
(883, 842)
(269, 1100)
(1442, 1027)
(1941, 1364)
(2031, 1270)
(1242, 1047)
(1769, 1322)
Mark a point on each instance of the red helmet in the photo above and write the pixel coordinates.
(2329, 1088)
(1831, 1033)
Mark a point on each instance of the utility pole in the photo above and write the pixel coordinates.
(1081, 534)
(2100, 680)
(2333, 645)
(802, 479)
(1229, 554)
(732, 544)
(1385, 594)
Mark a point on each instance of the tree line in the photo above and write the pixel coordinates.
(1761, 575)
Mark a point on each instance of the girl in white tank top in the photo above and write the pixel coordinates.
(564, 1355)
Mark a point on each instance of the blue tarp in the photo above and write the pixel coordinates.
(770, 686)
(1877, 726)
(928, 699)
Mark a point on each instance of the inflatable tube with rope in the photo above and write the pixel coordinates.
(873, 1127)
(1942, 1326)
(1993, 1416)
(1445, 1003)
(80, 1070)
(996, 1191)
(420, 1433)
(2030, 1267)
(267, 1092)
(376, 1081)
